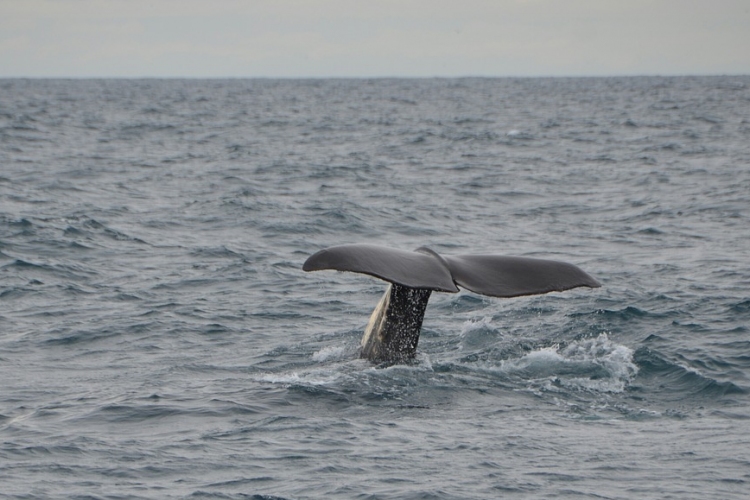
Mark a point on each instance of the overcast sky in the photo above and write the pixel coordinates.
(365, 38)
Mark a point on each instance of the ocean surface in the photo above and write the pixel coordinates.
(159, 339)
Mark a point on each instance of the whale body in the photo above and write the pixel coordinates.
(392, 334)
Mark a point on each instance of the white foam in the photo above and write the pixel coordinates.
(595, 364)
(473, 325)
(297, 378)
(544, 359)
(330, 353)
(518, 134)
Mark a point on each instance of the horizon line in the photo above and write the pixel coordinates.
(381, 77)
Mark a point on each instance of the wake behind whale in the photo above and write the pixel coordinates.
(392, 334)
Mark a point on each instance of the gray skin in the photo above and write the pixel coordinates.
(392, 333)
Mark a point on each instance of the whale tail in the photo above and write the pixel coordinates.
(392, 333)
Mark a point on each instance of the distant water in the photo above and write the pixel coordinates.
(158, 338)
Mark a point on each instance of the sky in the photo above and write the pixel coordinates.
(372, 38)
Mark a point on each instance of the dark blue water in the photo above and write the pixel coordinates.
(158, 338)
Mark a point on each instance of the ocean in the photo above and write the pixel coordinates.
(159, 339)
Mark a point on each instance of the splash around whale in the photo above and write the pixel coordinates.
(392, 334)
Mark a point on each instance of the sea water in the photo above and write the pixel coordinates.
(158, 338)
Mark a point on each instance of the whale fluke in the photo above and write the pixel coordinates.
(500, 276)
(392, 333)
(420, 269)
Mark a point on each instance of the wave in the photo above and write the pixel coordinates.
(230, 496)
(676, 381)
(593, 375)
(595, 364)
